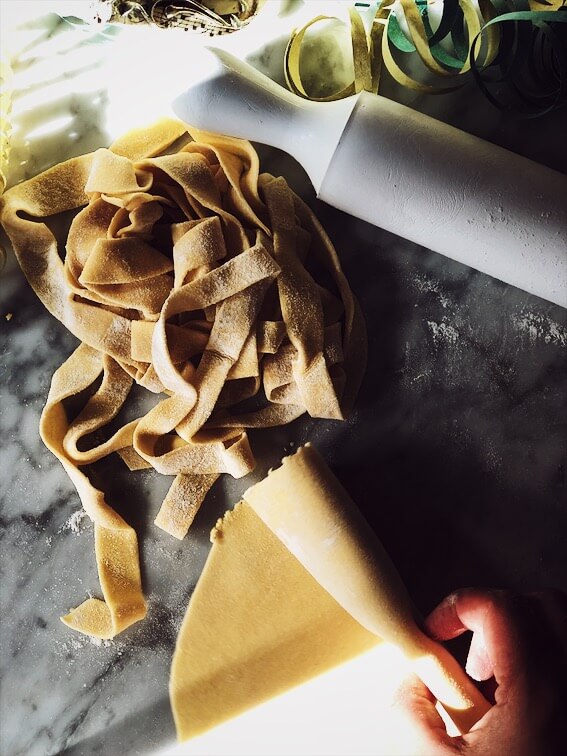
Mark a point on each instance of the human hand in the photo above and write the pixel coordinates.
(519, 640)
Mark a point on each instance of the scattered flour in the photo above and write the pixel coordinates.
(74, 522)
(422, 377)
(99, 642)
(492, 457)
(79, 642)
(424, 284)
(539, 327)
(444, 334)
(289, 447)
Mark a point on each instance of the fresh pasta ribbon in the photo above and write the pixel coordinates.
(6, 82)
(521, 44)
(189, 273)
(116, 545)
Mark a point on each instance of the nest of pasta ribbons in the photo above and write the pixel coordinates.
(189, 273)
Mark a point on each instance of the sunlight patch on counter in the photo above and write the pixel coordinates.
(347, 710)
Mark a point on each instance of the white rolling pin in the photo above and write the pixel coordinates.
(403, 171)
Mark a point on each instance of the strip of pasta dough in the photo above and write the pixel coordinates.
(184, 271)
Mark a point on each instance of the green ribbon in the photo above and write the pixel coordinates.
(515, 50)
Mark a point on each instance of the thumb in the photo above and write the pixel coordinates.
(421, 722)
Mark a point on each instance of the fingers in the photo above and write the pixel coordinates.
(497, 647)
(516, 637)
(479, 665)
(520, 639)
(420, 721)
(444, 622)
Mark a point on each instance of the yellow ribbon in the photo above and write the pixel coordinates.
(373, 51)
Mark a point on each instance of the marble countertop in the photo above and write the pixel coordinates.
(456, 450)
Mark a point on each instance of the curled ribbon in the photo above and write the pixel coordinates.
(515, 50)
